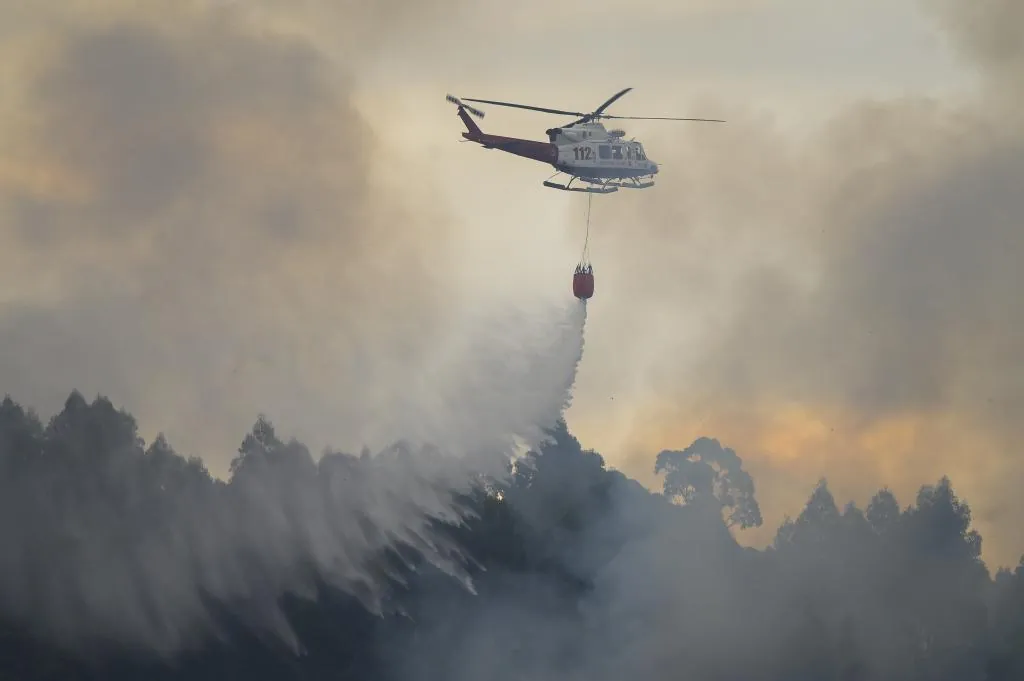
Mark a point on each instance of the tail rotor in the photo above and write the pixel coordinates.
(462, 105)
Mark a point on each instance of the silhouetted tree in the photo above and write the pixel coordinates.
(290, 569)
(708, 474)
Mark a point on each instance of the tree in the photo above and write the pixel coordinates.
(883, 512)
(708, 475)
(578, 572)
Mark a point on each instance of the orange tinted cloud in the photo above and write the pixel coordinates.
(787, 448)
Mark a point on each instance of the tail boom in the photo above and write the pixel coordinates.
(545, 152)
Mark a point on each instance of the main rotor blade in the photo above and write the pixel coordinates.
(524, 106)
(596, 113)
(662, 118)
(608, 103)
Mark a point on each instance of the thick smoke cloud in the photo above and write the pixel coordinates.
(849, 302)
(985, 32)
(574, 571)
(142, 543)
(190, 298)
(199, 223)
(603, 579)
(196, 223)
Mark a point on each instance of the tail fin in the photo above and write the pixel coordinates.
(471, 126)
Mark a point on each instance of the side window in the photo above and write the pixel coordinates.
(617, 152)
(604, 151)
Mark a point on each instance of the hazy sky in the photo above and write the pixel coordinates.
(212, 209)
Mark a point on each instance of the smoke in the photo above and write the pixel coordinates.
(499, 383)
(198, 224)
(602, 579)
(844, 302)
(984, 32)
(76, 570)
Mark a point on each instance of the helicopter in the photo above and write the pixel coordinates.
(583, 149)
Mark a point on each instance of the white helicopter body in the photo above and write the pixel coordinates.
(583, 149)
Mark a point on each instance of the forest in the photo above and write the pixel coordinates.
(127, 560)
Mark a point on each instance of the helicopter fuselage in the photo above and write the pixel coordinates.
(591, 151)
(586, 150)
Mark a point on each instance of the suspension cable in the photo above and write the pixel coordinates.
(585, 256)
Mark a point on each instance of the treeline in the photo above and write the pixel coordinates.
(127, 561)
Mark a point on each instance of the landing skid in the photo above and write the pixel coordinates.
(586, 190)
(632, 183)
(600, 186)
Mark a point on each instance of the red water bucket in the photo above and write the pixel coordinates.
(583, 284)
